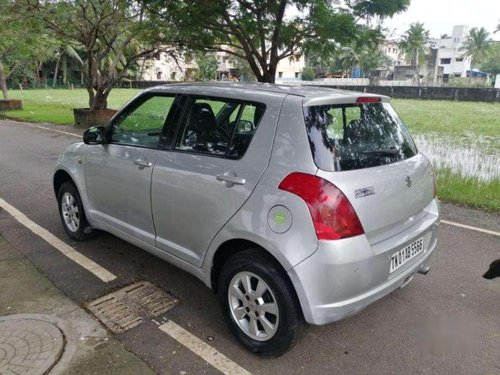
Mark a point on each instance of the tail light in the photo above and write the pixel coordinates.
(368, 99)
(332, 213)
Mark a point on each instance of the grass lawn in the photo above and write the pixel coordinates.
(463, 121)
(56, 106)
(450, 118)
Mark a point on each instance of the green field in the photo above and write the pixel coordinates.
(56, 106)
(471, 125)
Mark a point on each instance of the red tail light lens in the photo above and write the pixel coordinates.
(332, 213)
(369, 99)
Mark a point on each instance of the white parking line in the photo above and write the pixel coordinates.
(65, 249)
(53, 130)
(202, 349)
(471, 227)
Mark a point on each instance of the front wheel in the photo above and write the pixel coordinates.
(259, 303)
(71, 212)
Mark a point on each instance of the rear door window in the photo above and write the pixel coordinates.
(354, 136)
(219, 127)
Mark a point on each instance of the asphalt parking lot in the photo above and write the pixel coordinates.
(447, 322)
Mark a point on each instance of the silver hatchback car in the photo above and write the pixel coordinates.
(291, 203)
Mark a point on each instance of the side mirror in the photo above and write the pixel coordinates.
(95, 135)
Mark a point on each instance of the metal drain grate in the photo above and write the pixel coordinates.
(129, 306)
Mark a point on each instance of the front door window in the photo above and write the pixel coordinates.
(143, 125)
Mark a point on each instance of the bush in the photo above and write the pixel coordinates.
(308, 74)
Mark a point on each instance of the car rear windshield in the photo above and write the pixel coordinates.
(355, 136)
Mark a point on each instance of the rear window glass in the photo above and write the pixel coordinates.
(355, 136)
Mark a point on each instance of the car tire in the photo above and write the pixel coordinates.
(251, 318)
(72, 214)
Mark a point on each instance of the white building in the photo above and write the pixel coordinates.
(450, 53)
(164, 67)
(290, 69)
(392, 50)
(226, 65)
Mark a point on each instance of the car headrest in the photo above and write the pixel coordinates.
(202, 117)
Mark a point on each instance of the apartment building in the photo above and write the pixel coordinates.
(164, 67)
(290, 69)
(451, 54)
(391, 48)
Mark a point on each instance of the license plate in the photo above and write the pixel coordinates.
(401, 257)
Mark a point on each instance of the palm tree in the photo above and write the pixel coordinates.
(352, 56)
(413, 43)
(476, 45)
(64, 51)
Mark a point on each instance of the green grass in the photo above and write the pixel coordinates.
(456, 120)
(56, 105)
(468, 191)
(450, 118)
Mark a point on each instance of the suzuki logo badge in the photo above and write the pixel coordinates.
(408, 181)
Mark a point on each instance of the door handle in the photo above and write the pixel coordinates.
(143, 163)
(233, 180)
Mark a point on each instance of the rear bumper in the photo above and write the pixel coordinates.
(343, 277)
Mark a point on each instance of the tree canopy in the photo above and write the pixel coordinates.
(23, 43)
(263, 32)
(114, 34)
(491, 60)
(413, 43)
(476, 45)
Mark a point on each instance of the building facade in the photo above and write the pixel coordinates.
(290, 69)
(164, 67)
(451, 55)
(391, 48)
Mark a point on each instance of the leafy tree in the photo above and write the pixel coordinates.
(207, 67)
(62, 52)
(381, 8)
(260, 32)
(245, 73)
(308, 74)
(373, 61)
(114, 35)
(413, 43)
(491, 61)
(22, 44)
(476, 45)
(351, 56)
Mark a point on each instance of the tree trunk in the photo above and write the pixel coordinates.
(271, 71)
(65, 70)
(56, 71)
(100, 99)
(3, 82)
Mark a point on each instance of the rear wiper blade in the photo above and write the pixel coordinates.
(383, 152)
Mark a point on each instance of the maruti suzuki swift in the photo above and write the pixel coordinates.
(291, 203)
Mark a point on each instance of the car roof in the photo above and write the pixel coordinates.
(313, 95)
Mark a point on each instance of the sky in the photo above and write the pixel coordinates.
(439, 16)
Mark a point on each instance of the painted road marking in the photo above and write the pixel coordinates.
(202, 349)
(65, 249)
(471, 227)
(53, 130)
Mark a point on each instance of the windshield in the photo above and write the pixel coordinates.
(354, 136)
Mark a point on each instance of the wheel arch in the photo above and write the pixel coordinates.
(233, 246)
(60, 177)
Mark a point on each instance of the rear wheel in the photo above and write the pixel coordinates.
(71, 212)
(259, 303)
